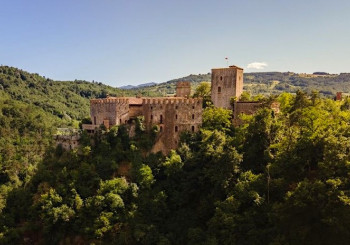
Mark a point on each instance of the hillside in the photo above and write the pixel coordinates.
(269, 83)
(64, 99)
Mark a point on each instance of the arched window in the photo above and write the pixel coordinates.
(176, 129)
(161, 119)
(94, 120)
(219, 89)
(192, 128)
(192, 116)
(176, 116)
(151, 117)
(221, 78)
(193, 107)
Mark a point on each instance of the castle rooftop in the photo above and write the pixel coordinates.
(234, 67)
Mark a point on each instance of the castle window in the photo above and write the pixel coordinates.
(120, 121)
(193, 107)
(192, 116)
(176, 129)
(176, 107)
(219, 89)
(161, 129)
(94, 120)
(176, 116)
(151, 107)
(151, 117)
(192, 128)
(161, 119)
(221, 78)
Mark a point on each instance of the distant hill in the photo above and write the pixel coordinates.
(269, 83)
(138, 86)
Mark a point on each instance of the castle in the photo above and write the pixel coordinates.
(172, 115)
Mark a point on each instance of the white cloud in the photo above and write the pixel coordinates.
(257, 65)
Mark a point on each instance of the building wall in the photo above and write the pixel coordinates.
(183, 89)
(225, 84)
(68, 142)
(173, 116)
(247, 108)
(113, 111)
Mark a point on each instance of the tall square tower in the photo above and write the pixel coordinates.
(225, 84)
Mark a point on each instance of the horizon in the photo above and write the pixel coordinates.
(130, 43)
(143, 83)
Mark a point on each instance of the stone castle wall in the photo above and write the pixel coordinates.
(225, 84)
(183, 89)
(109, 111)
(173, 116)
(68, 142)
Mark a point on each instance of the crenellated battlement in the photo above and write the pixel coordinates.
(114, 100)
(171, 101)
(183, 84)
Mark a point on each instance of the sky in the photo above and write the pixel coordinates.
(119, 42)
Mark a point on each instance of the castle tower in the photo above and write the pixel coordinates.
(225, 84)
(183, 89)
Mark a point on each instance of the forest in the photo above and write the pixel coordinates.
(276, 179)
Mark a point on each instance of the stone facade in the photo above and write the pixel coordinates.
(67, 138)
(183, 89)
(109, 111)
(172, 116)
(225, 84)
(244, 107)
(249, 108)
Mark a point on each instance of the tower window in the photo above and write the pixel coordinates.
(151, 117)
(193, 107)
(176, 129)
(161, 119)
(220, 78)
(192, 116)
(176, 116)
(94, 120)
(219, 89)
(192, 128)
(120, 121)
(176, 107)
(161, 129)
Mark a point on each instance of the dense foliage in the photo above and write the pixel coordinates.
(277, 179)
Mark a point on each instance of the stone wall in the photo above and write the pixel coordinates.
(115, 110)
(247, 108)
(183, 89)
(173, 116)
(68, 142)
(225, 84)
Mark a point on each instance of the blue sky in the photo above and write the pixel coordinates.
(137, 41)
